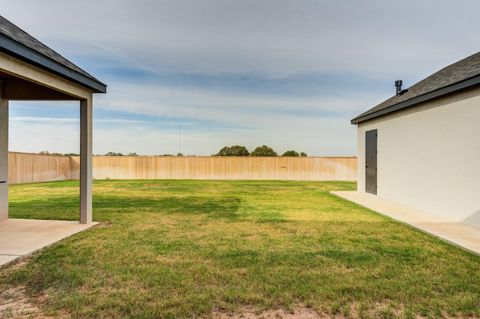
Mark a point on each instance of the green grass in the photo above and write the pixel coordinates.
(182, 249)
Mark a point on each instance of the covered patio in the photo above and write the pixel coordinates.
(21, 237)
(31, 71)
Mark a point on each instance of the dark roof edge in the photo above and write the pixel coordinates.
(25, 53)
(419, 99)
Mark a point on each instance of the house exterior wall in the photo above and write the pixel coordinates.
(429, 157)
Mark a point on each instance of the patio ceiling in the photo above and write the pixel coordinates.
(16, 88)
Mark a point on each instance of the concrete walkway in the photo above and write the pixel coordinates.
(21, 237)
(459, 234)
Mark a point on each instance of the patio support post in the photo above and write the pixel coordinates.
(3, 156)
(86, 161)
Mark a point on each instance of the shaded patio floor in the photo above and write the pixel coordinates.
(459, 234)
(21, 237)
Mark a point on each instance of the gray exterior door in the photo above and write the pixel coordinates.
(371, 162)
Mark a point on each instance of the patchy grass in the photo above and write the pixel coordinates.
(182, 249)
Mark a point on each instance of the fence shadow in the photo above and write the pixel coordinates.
(217, 207)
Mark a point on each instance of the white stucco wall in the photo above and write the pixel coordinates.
(429, 157)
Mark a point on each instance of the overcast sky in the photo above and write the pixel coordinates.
(192, 76)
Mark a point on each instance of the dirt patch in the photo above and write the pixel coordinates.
(352, 311)
(299, 312)
(15, 304)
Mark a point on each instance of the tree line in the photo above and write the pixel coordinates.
(264, 150)
(234, 150)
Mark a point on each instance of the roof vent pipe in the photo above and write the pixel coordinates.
(398, 85)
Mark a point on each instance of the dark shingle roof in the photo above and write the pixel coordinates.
(18, 42)
(457, 76)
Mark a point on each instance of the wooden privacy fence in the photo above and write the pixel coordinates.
(33, 168)
(26, 168)
(225, 168)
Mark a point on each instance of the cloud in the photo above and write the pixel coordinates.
(44, 135)
(270, 37)
(229, 107)
(283, 72)
(315, 136)
(55, 120)
(42, 119)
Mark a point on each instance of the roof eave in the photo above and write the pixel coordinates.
(465, 84)
(25, 53)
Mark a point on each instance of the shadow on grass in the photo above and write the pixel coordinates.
(213, 207)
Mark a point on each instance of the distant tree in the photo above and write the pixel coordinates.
(113, 154)
(303, 154)
(71, 154)
(235, 150)
(132, 154)
(291, 153)
(180, 154)
(264, 150)
(48, 153)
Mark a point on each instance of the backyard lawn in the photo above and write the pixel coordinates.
(183, 249)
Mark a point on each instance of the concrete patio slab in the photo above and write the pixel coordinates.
(21, 237)
(459, 234)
